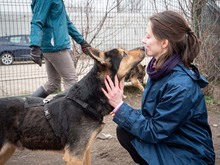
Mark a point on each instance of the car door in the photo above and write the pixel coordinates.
(20, 47)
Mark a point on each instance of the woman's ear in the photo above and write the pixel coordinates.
(165, 43)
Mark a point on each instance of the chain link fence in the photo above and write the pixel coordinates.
(104, 24)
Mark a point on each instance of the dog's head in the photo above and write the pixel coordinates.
(117, 61)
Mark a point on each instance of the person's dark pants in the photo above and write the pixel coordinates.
(125, 139)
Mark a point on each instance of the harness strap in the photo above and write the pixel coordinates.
(47, 113)
(87, 109)
(49, 119)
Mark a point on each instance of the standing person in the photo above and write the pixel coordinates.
(171, 128)
(49, 37)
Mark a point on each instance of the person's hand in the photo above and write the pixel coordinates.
(84, 46)
(36, 55)
(114, 91)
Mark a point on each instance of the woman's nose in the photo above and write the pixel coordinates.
(144, 41)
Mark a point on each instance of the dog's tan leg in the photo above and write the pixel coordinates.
(6, 152)
(87, 156)
(71, 160)
(87, 160)
(137, 83)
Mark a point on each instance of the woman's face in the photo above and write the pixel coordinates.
(153, 46)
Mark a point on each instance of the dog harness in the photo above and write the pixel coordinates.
(61, 129)
(87, 109)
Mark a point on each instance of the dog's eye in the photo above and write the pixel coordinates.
(124, 54)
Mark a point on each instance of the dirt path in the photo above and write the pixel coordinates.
(108, 151)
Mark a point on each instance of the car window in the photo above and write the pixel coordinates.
(15, 39)
(19, 39)
(22, 39)
(27, 39)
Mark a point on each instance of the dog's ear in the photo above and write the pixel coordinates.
(97, 55)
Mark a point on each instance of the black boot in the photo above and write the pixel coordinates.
(40, 92)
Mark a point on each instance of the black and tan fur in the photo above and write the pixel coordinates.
(137, 76)
(76, 116)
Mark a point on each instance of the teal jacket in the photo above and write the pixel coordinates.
(51, 26)
(172, 127)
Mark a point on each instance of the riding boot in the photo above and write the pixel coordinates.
(40, 92)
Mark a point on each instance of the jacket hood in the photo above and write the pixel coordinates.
(195, 75)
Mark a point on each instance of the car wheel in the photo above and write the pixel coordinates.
(7, 58)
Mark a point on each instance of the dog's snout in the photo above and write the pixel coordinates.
(142, 48)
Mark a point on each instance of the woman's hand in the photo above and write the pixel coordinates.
(114, 91)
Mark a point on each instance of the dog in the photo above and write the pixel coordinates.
(137, 76)
(70, 121)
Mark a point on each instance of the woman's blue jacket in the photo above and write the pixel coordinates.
(171, 128)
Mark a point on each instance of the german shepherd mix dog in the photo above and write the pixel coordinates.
(136, 76)
(70, 121)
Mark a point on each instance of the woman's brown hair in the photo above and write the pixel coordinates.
(172, 26)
